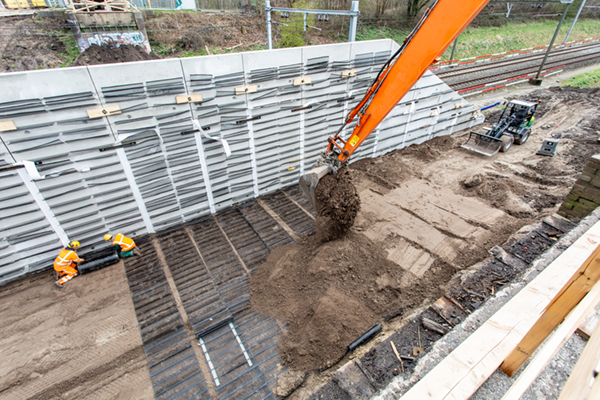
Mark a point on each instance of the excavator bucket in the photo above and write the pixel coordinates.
(308, 182)
(482, 144)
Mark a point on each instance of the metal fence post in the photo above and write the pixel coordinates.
(453, 48)
(268, 12)
(537, 81)
(305, 22)
(353, 22)
(575, 20)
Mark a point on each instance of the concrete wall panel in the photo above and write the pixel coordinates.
(149, 167)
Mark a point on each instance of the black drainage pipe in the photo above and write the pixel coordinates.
(370, 334)
(97, 261)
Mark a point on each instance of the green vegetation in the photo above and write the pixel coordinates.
(587, 80)
(513, 36)
(292, 33)
(71, 49)
(495, 39)
(373, 32)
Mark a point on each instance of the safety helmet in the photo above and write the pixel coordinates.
(74, 244)
(107, 237)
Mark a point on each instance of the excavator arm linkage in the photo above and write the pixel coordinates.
(441, 23)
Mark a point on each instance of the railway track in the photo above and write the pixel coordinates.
(470, 76)
(210, 261)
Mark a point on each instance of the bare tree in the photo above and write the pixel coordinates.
(414, 6)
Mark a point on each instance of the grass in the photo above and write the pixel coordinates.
(72, 51)
(513, 36)
(489, 40)
(587, 80)
(372, 33)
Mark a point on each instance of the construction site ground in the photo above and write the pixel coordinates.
(430, 214)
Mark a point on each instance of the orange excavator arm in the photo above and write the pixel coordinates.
(443, 21)
(441, 24)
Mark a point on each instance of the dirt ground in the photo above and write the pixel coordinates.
(29, 42)
(79, 342)
(419, 226)
(428, 213)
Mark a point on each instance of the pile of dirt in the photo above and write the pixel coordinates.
(29, 44)
(173, 34)
(337, 203)
(95, 54)
(329, 294)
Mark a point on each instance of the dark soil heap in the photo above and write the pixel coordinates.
(329, 294)
(338, 204)
(95, 54)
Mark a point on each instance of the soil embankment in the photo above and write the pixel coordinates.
(428, 212)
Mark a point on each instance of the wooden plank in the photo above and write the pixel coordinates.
(460, 374)
(7, 126)
(580, 283)
(103, 112)
(348, 74)
(554, 344)
(590, 323)
(246, 89)
(188, 98)
(302, 81)
(578, 384)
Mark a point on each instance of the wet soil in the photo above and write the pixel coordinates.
(325, 292)
(337, 204)
(330, 294)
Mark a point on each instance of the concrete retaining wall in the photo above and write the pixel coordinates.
(140, 167)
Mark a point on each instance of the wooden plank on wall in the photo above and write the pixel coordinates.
(554, 344)
(460, 374)
(572, 292)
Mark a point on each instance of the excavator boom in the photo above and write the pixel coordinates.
(441, 23)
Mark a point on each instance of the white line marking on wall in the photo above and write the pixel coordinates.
(137, 195)
(44, 207)
(302, 142)
(207, 187)
(252, 154)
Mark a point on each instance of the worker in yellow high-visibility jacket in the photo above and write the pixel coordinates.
(65, 265)
(124, 246)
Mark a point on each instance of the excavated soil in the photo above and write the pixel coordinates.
(428, 213)
(337, 204)
(95, 54)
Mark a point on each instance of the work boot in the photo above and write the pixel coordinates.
(57, 283)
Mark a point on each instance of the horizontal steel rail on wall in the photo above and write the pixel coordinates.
(112, 149)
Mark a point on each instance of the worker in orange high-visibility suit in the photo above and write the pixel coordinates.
(65, 265)
(124, 246)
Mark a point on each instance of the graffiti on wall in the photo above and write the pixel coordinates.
(114, 39)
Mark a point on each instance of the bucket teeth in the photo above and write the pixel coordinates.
(309, 181)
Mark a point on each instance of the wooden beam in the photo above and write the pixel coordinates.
(460, 374)
(590, 323)
(573, 291)
(554, 344)
(578, 384)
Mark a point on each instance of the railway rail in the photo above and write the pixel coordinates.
(472, 77)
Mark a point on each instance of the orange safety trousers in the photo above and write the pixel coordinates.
(64, 265)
